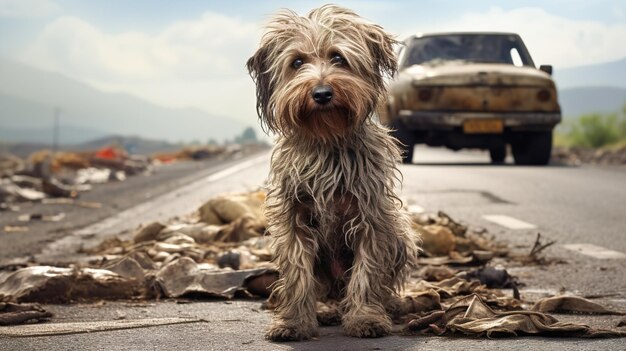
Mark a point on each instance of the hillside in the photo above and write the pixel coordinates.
(610, 74)
(132, 144)
(28, 97)
(578, 101)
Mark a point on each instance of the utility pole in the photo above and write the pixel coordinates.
(55, 131)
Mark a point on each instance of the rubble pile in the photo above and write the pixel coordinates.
(579, 155)
(221, 251)
(45, 174)
(195, 153)
(210, 151)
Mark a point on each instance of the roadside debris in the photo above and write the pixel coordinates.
(14, 229)
(576, 155)
(576, 304)
(45, 175)
(472, 316)
(41, 217)
(221, 252)
(12, 313)
(496, 277)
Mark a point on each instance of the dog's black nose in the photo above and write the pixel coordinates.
(322, 94)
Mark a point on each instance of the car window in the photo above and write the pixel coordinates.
(516, 58)
(489, 48)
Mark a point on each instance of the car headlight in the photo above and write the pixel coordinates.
(543, 95)
(424, 94)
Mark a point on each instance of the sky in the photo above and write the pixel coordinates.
(192, 53)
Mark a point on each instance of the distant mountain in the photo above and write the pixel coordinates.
(132, 144)
(611, 74)
(579, 101)
(44, 133)
(28, 97)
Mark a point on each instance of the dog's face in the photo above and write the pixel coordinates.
(322, 74)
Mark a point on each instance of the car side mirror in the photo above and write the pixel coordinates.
(546, 68)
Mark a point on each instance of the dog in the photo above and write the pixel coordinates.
(336, 223)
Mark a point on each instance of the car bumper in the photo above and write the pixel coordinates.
(437, 120)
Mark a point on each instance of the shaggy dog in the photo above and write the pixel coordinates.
(338, 232)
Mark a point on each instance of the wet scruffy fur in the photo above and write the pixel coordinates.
(338, 232)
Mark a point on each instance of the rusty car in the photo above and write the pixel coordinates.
(473, 90)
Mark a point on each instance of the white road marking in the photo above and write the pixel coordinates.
(153, 204)
(415, 209)
(236, 168)
(509, 222)
(595, 251)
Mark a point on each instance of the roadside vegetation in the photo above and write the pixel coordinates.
(593, 131)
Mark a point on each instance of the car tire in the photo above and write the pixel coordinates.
(407, 140)
(532, 148)
(497, 154)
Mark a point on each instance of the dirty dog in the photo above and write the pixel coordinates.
(332, 212)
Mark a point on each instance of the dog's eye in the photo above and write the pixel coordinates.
(337, 59)
(297, 63)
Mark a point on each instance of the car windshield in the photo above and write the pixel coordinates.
(491, 48)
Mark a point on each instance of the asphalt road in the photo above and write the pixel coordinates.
(583, 206)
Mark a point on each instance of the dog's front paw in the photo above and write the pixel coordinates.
(367, 326)
(284, 332)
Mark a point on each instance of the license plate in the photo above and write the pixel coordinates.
(483, 126)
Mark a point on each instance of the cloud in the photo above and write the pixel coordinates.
(200, 62)
(27, 8)
(550, 39)
(189, 63)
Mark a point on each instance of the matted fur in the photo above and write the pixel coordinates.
(334, 217)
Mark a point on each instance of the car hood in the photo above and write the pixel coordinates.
(475, 74)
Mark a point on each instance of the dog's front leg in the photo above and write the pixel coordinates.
(295, 292)
(364, 311)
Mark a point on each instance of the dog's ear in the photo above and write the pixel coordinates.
(258, 66)
(381, 46)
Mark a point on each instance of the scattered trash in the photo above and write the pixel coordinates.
(471, 316)
(494, 278)
(538, 247)
(10, 164)
(14, 229)
(227, 209)
(55, 188)
(12, 313)
(46, 175)
(6, 207)
(436, 273)
(47, 284)
(41, 217)
(221, 252)
(572, 304)
(437, 240)
(184, 278)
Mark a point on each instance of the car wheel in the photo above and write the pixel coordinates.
(532, 148)
(406, 137)
(498, 154)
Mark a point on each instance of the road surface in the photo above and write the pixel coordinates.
(583, 208)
